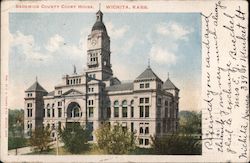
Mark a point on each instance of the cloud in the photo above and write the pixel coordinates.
(162, 55)
(54, 43)
(27, 46)
(174, 30)
(116, 32)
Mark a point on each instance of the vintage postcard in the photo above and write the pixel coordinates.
(124, 81)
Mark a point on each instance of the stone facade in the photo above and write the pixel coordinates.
(147, 106)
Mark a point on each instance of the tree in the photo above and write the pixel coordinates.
(75, 138)
(176, 144)
(40, 139)
(190, 122)
(115, 140)
(16, 135)
(16, 123)
(185, 141)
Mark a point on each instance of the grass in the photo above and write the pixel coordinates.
(93, 150)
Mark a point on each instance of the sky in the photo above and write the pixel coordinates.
(47, 45)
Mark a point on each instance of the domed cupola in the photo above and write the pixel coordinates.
(99, 23)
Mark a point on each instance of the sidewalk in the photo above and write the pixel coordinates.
(26, 150)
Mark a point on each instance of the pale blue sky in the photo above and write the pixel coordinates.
(47, 45)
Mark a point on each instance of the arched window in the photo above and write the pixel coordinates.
(116, 109)
(73, 110)
(124, 109)
(132, 109)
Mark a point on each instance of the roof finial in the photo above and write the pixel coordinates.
(148, 62)
(74, 66)
(168, 75)
(36, 79)
(100, 6)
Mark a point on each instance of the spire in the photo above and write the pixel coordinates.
(99, 14)
(36, 79)
(148, 62)
(168, 75)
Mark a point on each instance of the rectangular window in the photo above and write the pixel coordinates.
(141, 141)
(141, 111)
(124, 112)
(147, 130)
(141, 100)
(29, 105)
(29, 112)
(141, 130)
(53, 112)
(146, 111)
(43, 112)
(116, 111)
(147, 85)
(59, 103)
(146, 142)
(91, 111)
(91, 102)
(48, 112)
(132, 111)
(141, 85)
(59, 112)
(147, 100)
(132, 127)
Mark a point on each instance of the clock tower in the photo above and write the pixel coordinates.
(98, 53)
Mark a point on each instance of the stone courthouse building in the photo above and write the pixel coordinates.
(146, 106)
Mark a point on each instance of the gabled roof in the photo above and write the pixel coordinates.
(147, 74)
(169, 85)
(35, 87)
(72, 91)
(120, 87)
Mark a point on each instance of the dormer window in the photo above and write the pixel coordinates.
(141, 85)
(147, 85)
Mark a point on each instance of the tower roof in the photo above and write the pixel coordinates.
(169, 85)
(36, 87)
(148, 74)
(99, 23)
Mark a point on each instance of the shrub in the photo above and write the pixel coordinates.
(115, 140)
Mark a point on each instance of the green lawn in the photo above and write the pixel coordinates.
(93, 150)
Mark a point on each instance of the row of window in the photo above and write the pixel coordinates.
(49, 114)
(90, 89)
(59, 103)
(144, 85)
(74, 81)
(144, 100)
(143, 141)
(29, 112)
(29, 94)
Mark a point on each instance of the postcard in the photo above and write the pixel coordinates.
(124, 81)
